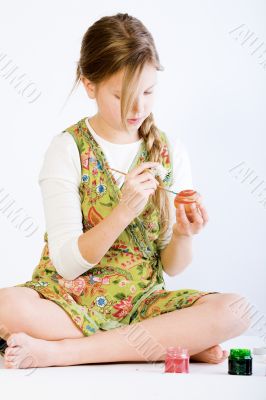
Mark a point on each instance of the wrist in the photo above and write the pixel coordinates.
(124, 213)
(177, 235)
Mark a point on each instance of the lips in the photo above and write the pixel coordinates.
(134, 121)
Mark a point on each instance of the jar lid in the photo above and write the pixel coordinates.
(177, 351)
(240, 353)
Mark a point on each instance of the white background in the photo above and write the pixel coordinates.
(211, 94)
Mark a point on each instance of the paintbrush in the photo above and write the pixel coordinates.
(161, 187)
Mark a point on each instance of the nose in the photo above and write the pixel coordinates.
(137, 108)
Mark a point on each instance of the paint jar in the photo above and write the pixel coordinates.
(177, 360)
(240, 362)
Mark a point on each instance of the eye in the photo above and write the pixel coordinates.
(117, 97)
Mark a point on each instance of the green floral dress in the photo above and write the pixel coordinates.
(127, 285)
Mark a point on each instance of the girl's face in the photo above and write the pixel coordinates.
(107, 96)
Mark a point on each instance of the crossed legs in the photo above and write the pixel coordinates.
(36, 341)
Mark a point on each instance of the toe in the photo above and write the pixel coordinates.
(225, 354)
(10, 364)
(11, 351)
(16, 339)
(10, 358)
(11, 341)
(218, 352)
(8, 351)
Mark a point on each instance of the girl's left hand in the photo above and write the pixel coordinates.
(183, 226)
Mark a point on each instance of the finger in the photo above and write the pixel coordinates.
(143, 166)
(198, 210)
(147, 185)
(196, 215)
(204, 214)
(145, 176)
(181, 214)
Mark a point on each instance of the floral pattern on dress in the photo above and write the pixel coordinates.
(127, 285)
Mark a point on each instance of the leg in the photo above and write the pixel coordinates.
(23, 310)
(168, 301)
(196, 328)
(214, 354)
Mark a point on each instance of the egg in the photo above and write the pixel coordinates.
(188, 197)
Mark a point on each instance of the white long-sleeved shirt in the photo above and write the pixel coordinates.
(59, 180)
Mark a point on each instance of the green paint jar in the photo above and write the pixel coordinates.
(240, 362)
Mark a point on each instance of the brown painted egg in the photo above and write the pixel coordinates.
(187, 197)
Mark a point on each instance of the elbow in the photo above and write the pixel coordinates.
(176, 270)
(171, 273)
(61, 265)
(67, 259)
(84, 258)
(64, 272)
(68, 276)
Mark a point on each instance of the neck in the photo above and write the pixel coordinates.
(108, 133)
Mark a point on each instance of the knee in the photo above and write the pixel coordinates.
(8, 292)
(13, 308)
(3, 291)
(7, 299)
(231, 311)
(4, 304)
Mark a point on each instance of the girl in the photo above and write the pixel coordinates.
(109, 237)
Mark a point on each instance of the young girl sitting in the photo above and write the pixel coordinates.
(110, 236)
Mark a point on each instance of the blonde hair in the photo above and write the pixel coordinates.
(121, 42)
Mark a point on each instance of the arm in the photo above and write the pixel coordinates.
(59, 180)
(176, 249)
(177, 255)
(94, 243)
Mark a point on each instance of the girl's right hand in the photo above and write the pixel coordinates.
(137, 188)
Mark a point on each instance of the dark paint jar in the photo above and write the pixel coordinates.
(240, 362)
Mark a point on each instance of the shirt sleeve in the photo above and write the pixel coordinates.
(59, 180)
(182, 180)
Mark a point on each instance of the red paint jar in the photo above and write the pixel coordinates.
(177, 360)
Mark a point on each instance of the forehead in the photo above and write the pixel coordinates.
(148, 76)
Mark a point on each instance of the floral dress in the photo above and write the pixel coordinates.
(127, 285)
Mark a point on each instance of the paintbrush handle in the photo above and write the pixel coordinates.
(161, 187)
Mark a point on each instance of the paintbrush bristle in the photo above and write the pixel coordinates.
(160, 171)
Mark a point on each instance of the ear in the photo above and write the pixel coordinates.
(89, 87)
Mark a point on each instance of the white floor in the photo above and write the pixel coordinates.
(139, 380)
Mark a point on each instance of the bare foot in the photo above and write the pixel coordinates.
(24, 351)
(213, 355)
